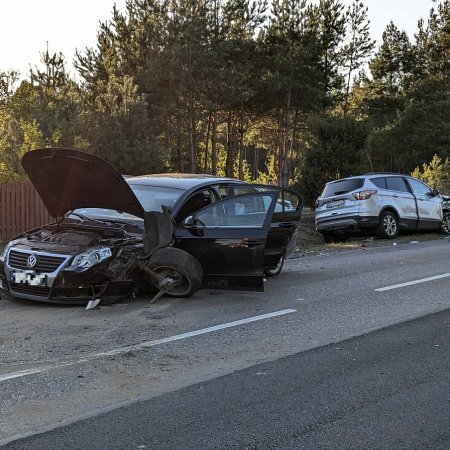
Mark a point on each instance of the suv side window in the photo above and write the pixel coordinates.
(379, 182)
(418, 188)
(396, 184)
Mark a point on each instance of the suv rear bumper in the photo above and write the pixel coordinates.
(341, 225)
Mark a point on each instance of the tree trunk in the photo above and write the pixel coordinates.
(295, 126)
(214, 144)
(255, 163)
(208, 132)
(347, 90)
(277, 160)
(179, 146)
(285, 147)
(191, 125)
(369, 159)
(241, 144)
(230, 147)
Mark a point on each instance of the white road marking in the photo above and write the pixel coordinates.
(141, 346)
(410, 283)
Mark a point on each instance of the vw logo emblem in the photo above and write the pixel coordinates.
(31, 261)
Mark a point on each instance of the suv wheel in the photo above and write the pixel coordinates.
(388, 227)
(445, 228)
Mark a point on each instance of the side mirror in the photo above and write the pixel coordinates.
(189, 222)
(434, 192)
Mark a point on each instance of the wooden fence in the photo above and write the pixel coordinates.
(20, 209)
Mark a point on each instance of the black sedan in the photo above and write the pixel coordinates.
(167, 233)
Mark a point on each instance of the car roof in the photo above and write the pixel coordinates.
(372, 175)
(383, 174)
(178, 180)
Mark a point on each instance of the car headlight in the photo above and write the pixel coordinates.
(3, 254)
(5, 251)
(91, 258)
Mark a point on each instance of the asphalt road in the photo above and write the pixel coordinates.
(242, 370)
(387, 389)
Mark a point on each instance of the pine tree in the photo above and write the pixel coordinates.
(360, 45)
(392, 65)
(292, 79)
(328, 22)
(433, 43)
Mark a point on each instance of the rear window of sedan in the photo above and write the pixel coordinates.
(342, 186)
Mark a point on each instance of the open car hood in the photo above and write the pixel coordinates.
(69, 179)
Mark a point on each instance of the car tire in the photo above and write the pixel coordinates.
(178, 264)
(269, 273)
(445, 227)
(388, 227)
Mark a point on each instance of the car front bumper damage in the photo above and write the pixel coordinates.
(61, 285)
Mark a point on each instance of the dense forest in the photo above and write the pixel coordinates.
(283, 91)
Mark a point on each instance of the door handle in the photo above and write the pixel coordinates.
(286, 224)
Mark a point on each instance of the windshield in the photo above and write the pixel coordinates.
(150, 197)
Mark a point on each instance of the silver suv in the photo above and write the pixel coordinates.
(380, 202)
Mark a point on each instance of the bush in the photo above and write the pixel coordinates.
(436, 173)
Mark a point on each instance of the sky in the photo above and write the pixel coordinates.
(26, 26)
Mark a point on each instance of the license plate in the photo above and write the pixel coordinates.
(335, 204)
(28, 277)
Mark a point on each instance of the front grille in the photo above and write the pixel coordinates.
(44, 264)
(38, 291)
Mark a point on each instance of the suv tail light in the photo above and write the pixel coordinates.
(363, 195)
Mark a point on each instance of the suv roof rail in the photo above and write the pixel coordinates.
(386, 173)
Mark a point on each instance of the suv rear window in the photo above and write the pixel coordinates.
(342, 187)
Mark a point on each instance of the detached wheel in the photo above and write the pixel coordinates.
(180, 267)
(388, 227)
(445, 227)
(276, 270)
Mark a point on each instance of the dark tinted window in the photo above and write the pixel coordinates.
(396, 184)
(342, 187)
(379, 182)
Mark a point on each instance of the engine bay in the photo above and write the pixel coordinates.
(79, 235)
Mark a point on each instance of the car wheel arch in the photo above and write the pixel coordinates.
(389, 209)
